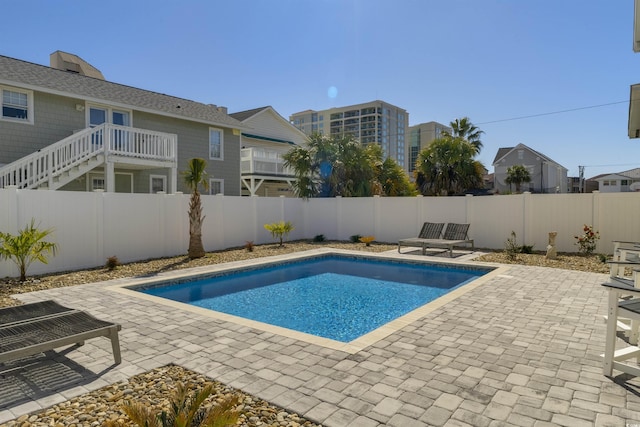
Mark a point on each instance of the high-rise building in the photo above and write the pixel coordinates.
(420, 136)
(375, 122)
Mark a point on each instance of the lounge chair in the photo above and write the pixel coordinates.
(454, 235)
(30, 329)
(629, 309)
(430, 230)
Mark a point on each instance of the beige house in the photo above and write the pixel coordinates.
(268, 137)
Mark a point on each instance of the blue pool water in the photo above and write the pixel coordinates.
(336, 297)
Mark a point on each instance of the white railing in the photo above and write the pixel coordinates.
(40, 167)
(262, 161)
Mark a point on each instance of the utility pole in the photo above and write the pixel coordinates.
(581, 179)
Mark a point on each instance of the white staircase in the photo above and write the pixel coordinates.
(60, 163)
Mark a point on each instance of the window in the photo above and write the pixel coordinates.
(520, 154)
(17, 105)
(99, 115)
(158, 183)
(216, 144)
(97, 183)
(216, 186)
(624, 182)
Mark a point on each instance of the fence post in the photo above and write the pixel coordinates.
(595, 212)
(526, 216)
(377, 216)
(419, 200)
(338, 200)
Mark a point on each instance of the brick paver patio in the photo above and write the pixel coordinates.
(521, 349)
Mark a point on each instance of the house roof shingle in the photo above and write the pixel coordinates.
(243, 115)
(47, 79)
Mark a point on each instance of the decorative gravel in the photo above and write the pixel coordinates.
(155, 387)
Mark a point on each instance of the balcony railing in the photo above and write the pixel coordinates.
(107, 139)
(260, 161)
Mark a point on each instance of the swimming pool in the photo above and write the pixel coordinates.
(336, 296)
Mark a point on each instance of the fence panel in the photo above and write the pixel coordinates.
(89, 227)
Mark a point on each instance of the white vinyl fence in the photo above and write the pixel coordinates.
(89, 227)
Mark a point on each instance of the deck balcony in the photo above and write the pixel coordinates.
(258, 165)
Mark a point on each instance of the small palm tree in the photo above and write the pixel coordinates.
(186, 411)
(517, 174)
(279, 229)
(25, 248)
(193, 178)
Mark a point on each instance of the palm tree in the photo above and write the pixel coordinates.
(25, 248)
(517, 174)
(447, 167)
(195, 176)
(463, 128)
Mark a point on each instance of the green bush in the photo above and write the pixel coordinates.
(355, 238)
(319, 238)
(112, 263)
(511, 247)
(185, 410)
(588, 240)
(526, 249)
(25, 248)
(279, 230)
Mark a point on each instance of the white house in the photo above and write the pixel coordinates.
(619, 182)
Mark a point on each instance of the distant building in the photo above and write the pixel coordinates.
(619, 182)
(420, 136)
(588, 186)
(375, 122)
(547, 176)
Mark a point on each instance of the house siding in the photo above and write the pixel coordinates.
(546, 175)
(193, 141)
(55, 118)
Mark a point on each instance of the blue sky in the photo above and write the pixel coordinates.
(490, 60)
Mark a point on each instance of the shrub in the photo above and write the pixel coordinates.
(25, 248)
(603, 258)
(249, 245)
(112, 263)
(319, 238)
(279, 230)
(511, 247)
(367, 240)
(355, 238)
(588, 240)
(526, 249)
(186, 410)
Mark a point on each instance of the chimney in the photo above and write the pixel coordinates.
(222, 110)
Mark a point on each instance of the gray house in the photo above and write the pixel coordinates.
(65, 127)
(547, 176)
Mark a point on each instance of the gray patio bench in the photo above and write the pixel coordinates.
(30, 329)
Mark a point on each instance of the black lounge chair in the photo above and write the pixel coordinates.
(30, 329)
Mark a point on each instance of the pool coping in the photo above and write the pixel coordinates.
(351, 347)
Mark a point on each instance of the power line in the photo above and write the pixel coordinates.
(553, 112)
